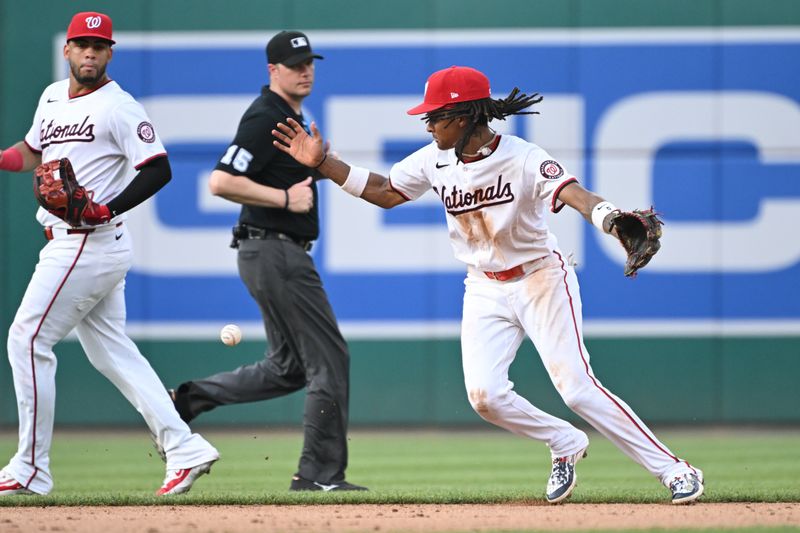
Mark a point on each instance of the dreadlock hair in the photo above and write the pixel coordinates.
(480, 112)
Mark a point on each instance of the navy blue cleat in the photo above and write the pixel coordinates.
(686, 488)
(563, 478)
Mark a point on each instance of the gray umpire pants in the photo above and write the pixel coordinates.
(306, 349)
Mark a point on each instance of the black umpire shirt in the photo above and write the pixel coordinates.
(253, 155)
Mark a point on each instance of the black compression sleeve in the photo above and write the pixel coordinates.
(151, 177)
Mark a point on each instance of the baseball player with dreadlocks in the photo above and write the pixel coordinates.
(495, 190)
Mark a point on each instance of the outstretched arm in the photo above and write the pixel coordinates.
(638, 231)
(585, 202)
(309, 150)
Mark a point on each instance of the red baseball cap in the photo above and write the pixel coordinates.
(452, 85)
(90, 24)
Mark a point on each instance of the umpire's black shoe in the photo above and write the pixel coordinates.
(299, 484)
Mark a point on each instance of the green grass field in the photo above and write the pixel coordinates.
(121, 468)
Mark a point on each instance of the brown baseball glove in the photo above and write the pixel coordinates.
(639, 232)
(57, 190)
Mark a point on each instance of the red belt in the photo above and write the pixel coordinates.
(48, 231)
(506, 275)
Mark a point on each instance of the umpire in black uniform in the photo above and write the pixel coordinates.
(278, 222)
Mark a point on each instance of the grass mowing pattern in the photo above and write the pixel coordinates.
(491, 466)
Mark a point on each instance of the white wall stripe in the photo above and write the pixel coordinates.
(482, 37)
(451, 330)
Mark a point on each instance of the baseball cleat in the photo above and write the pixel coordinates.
(180, 480)
(563, 478)
(10, 486)
(300, 484)
(686, 488)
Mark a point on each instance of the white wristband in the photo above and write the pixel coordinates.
(356, 181)
(599, 213)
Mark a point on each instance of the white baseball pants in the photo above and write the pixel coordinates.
(545, 305)
(79, 283)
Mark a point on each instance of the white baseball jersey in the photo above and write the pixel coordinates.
(495, 214)
(495, 206)
(79, 284)
(102, 133)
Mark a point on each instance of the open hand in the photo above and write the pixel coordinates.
(291, 138)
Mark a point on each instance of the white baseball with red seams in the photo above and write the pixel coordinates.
(230, 335)
(79, 282)
(495, 217)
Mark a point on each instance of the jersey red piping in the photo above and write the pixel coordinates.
(591, 377)
(553, 207)
(31, 148)
(33, 365)
(398, 191)
(152, 158)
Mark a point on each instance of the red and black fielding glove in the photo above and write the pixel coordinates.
(57, 190)
(639, 231)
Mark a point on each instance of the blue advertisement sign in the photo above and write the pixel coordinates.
(704, 125)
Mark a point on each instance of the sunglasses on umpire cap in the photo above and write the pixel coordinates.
(450, 86)
(90, 24)
(290, 48)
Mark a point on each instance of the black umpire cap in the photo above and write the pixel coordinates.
(290, 48)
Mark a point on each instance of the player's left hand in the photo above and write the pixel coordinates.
(306, 149)
(639, 231)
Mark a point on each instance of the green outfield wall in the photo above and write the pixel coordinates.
(691, 379)
(683, 381)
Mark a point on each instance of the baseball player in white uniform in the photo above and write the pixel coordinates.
(495, 190)
(79, 281)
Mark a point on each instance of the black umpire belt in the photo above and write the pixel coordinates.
(246, 231)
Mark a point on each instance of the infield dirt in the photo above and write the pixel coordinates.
(350, 518)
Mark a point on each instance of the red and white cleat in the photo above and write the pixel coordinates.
(181, 480)
(10, 486)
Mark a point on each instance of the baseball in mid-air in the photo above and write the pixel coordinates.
(230, 335)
